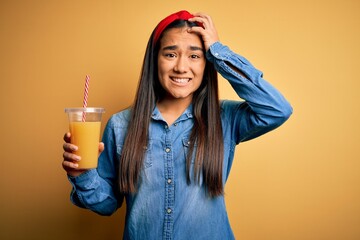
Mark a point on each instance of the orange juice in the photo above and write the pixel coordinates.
(86, 136)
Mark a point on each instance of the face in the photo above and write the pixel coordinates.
(181, 64)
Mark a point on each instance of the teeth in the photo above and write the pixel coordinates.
(181, 80)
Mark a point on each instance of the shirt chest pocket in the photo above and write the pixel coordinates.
(147, 155)
(186, 146)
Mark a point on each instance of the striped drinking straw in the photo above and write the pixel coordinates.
(86, 93)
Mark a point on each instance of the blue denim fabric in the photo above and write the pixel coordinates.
(165, 206)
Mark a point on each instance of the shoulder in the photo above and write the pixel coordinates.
(120, 119)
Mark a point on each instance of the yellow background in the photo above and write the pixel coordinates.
(299, 182)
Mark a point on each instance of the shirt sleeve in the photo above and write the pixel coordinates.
(96, 189)
(264, 108)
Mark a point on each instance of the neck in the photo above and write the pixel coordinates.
(172, 109)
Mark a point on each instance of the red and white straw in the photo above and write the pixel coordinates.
(86, 94)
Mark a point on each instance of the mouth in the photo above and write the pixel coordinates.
(180, 80)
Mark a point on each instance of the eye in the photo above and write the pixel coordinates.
(169, 55)
(195, 56)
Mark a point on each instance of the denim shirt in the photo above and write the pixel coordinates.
(165, 206)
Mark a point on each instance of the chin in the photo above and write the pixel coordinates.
(181, 96)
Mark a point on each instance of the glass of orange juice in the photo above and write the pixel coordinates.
(85, 125)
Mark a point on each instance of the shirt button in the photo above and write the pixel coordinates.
(168, 210)
(175, 124)
(166, 127)
(167, 150)
(216, 54)
(169, 181)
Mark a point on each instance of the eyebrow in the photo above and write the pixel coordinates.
(174, 47)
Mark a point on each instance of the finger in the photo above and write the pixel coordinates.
(68, 147)
(101, 147)
(202, 15)
(67, 137)
(204, 19)
(71, 157)
(200, 20)
(69, 165)
(199, 30)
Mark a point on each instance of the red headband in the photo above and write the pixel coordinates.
(183, 15)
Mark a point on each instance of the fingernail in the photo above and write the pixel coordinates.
(76, 165)
(74, 148)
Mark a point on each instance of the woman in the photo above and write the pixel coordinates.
(170, 154)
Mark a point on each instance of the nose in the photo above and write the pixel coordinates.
(181, 65)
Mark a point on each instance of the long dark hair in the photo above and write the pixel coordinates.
(206, 133)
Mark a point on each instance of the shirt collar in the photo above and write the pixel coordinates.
(188, 113)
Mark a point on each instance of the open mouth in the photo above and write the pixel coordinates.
(180, 80)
